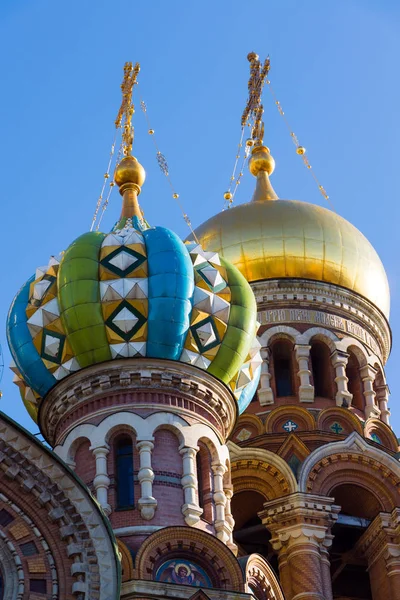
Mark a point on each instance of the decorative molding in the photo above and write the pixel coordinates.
(258, 574)
(82, 527)
(139, 384)
(195, 544)
(326, 298)
(265, 464)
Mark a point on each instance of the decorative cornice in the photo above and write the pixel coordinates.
(137, 384)
(303, 293)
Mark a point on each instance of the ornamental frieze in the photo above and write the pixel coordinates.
(320, 319)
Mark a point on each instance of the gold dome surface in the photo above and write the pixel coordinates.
(293, 239)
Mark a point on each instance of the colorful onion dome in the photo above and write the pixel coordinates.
(136, 292)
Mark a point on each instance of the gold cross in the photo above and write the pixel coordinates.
(127, 109)
(254, 109)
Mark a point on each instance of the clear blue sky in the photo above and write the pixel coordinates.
(334, 69)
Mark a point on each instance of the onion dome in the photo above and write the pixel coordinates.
(269, 238)
(136, 292)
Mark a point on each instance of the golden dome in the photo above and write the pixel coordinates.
(271, 239)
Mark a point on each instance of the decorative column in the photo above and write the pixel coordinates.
(380, 544)
(221, 527)
(300, 525)
(306, 390)
(191, 509)
(147, 503)
(339, 362)
(265, 393)
(230, 521)
(368, 375)
(382, 394)
(326, 569)
(101, 482)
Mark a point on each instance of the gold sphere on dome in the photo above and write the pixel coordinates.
(261, 160)
(300, 150)
(249, 143)
(228, 196)
(129, 170)
(293, 239)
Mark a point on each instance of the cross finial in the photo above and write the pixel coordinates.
(127, 109)
(254, 109)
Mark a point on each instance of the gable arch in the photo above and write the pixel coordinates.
(355, 462)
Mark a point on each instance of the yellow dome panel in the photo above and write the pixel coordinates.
(292, 239)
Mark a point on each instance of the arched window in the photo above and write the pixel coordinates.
(124, 472)
(321, 369)
(200, 479)
(282, 360)
(355, 385)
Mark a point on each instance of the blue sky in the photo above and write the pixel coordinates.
(334, 69)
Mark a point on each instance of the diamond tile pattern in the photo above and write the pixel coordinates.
(124, 291)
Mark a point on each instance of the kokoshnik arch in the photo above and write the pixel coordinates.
(217, 408)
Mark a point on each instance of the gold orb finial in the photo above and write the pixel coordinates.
(261, 160)
(129, 172)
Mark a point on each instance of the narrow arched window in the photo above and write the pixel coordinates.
(282, 359)
(355, 385)
(200, 482)
(124, 472)
(322, 370)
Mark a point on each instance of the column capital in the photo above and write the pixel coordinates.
(265, 353)
(145, 445)
(302, 350)
(188, 451)
(382, 537)
(368, 372)
(339, 357)
(102, 450)
(218, 468)
(300, 518)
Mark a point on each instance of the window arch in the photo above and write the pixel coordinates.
(355, 385)
(322, 371)
(282, 358)
(124, 472)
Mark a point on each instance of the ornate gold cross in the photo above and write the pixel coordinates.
(127, 109)
(254, 109)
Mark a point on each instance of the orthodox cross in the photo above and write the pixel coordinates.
(336, 428)
(254, 109)
(127, 109)
(289, 426)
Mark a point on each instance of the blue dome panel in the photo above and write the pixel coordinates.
(23, 351)
(171, 286)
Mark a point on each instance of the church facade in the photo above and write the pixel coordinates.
(217, 410)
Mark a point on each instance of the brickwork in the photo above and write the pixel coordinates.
(85, 463)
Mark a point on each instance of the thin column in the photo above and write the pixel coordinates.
(191, 509)
(221, 527)
(265, 393)
(101, 482)
(147, 503)
(368, 375)
(339, 362)
(382, 394)
(306, 390)
(230, 521)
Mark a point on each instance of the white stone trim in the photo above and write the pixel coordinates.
(354, 442)
(239, 453)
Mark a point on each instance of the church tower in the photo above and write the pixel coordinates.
(220, 403)
(314, 460)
